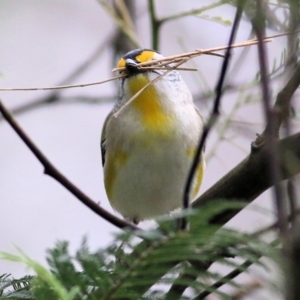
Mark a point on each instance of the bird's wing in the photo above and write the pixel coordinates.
(103, 138)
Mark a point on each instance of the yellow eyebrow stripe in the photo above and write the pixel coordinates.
(145, 56)
(142, 57)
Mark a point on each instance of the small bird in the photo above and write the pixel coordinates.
(148, 143)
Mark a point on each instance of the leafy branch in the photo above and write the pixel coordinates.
(130, 272)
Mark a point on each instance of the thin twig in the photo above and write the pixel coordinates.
(196, 11)
(122, 25)
(293, 39)
(293, 272)
(139, 258)
(247, 290)
(214, 114)
(177, 288)
(50, 170)
(54, 96)
(231, 275)
(292, 198)
(167, 60)
(62, 101)
(159, 63)
(239, 61)
(292, 61)
(209, 51)
(124, 13)
(168, 68)
(147, 86)
(225, 279)
(155, 25)
(90, 60)
(269, 135)
(125, 10)
(251, 177)
(61, 86)
(244, 183)
(91, 83)
(274, 225)
(280, 110)
(198, 52)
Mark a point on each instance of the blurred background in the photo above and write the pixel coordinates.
(48, 43)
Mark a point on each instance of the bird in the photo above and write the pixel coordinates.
(148, 142)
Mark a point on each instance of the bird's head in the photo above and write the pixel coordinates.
(131, 60)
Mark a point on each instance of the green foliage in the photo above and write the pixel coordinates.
(143, 265)
(14, 289)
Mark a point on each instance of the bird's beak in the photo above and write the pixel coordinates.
(132, 66)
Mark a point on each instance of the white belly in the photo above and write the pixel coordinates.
(151, 182)
(147, 166)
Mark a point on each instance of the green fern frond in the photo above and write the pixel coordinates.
(14, 289)
(131, 268)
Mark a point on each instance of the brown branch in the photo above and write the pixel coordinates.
(188, 55)
(293, 272)
(155, 25)
(61, 87)
(231, 275)
(50, 170)
(270, 135)
(282, 104)
(63, 100)
(54, 96)
(214, 113)
(126, 11)
(177, 288)
(251, 177)
(290, 66)
(293, 39)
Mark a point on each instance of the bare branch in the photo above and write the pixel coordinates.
(54, 173)
(158, 63)
(282, 104)
(293, 287)
(54, 97)
(269, 135)
(145, 87)
(57, 100)
(177, 288)
(234, 273)
(251, 177)
(121, 23)
(126, 11)
(214, 114)
(198, 52)
(59, 87)
(192, 12)
(155, 25)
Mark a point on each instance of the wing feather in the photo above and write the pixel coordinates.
(103, 139)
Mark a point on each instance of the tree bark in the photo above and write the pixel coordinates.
(251, 177)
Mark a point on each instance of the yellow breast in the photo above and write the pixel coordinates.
(148, 104)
